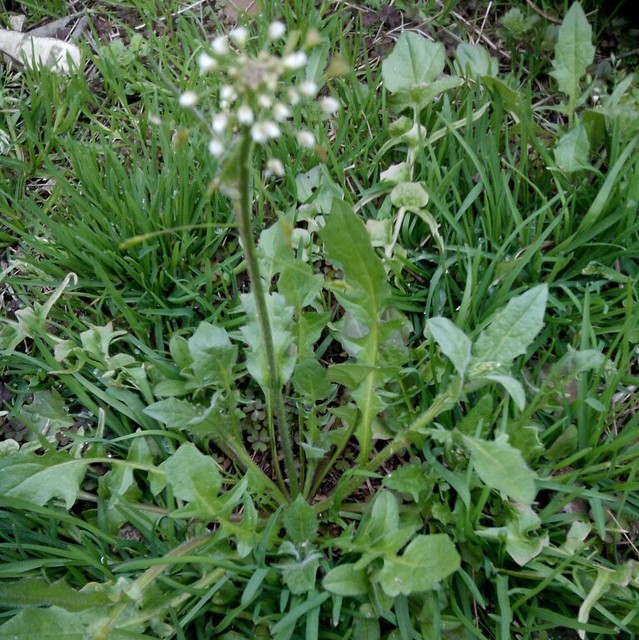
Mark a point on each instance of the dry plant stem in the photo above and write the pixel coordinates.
(243, 216)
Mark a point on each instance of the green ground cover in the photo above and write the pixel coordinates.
(325, 326)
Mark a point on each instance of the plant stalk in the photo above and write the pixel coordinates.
(243, 211)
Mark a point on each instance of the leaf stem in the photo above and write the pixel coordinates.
(243, 210)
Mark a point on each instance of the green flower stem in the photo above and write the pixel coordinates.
(243, 215)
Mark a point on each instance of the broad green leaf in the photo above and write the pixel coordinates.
(174, 413)
(426, 561)
(280, 319)
(346, 581)
(54, 623)
(300, 521)
(383, 532)
(317, 187)
(572, 150)
(502, 467)
(46, 413)
(395, 174)
(195, 478)
(408, 479)
(310, 379)
(179, 349)
(348, 247)
(574, 51)
(97, 340)
(415, 60)
(513, 387)
(476, 422)
(363, 296)
(453, 342)
(301, 576)
(307, 330)
(299, 285)
(212, 356)
(38, 592)
(513, 328)
(410, 195)
(40, 478)
(474, 61)
(521, 543)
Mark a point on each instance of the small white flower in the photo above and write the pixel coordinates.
(258, 134)
(227, 93)
(245, 115)
(219, 122)
(274, 167)
(220, 45)
(281, 112)
(265, 101)
(308, 88)
(329, 105)
(206, 63)
(216, 148)
(276, 30)
(239, 36)
(295, 60)
(271, 129)
(188, 99)
(293, 97)
(306, 139)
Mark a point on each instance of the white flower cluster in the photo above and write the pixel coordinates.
(255, 95)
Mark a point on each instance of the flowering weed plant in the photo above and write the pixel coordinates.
(326, 455)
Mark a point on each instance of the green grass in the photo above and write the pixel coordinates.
(106, 177)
